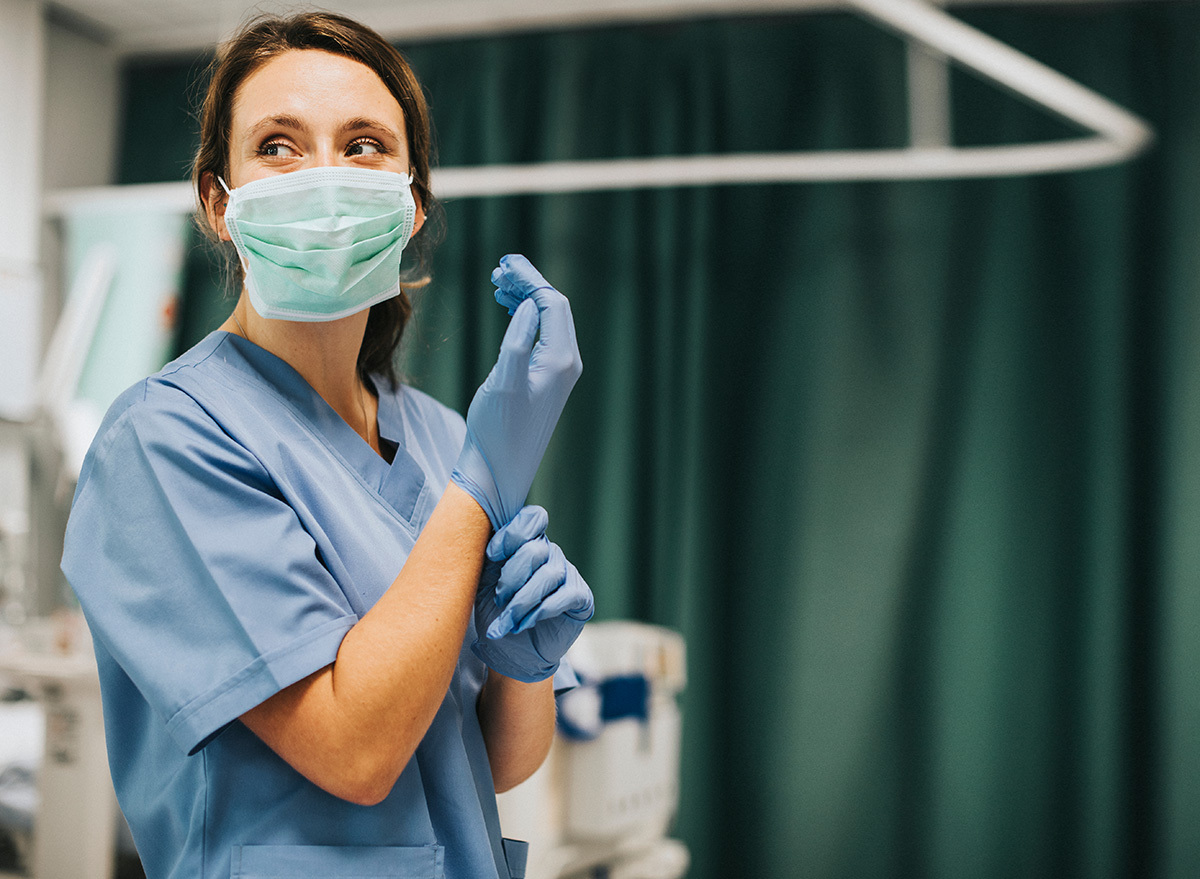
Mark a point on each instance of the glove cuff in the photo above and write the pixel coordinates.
(513, 670)
(473, 475)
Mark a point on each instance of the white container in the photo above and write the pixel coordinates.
(624, 783)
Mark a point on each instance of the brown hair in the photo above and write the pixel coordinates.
(266, 37)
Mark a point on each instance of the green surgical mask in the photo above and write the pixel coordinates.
(321, 243)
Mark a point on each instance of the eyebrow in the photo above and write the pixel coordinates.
(362, 123)
(276, 122)
(359, 123)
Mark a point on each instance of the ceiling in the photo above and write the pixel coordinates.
(157, 26)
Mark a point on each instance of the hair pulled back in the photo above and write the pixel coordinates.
(266, 37)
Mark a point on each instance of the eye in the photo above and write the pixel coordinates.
(365, 146)
(276, 149)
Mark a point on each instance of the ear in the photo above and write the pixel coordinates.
(419, 221)
(214, 200)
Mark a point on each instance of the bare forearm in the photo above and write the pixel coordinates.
(352, 727)
(518, 727)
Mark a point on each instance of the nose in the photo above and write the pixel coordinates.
(327, 155)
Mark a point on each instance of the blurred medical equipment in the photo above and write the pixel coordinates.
(23, 722)
(68, 825)
(124, 267)
(603, 803)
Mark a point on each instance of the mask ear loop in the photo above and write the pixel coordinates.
(241, 259)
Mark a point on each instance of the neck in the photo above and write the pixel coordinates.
(325, 353)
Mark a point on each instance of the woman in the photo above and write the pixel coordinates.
(326, 627)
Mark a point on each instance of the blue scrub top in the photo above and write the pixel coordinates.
(227, 531)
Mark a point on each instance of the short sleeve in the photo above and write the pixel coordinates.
(194, 573)
(564, 677)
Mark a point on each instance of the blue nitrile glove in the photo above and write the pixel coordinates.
(531, 604)
(514, 412)
(515, 279)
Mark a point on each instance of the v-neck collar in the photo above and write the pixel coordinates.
(399, 484)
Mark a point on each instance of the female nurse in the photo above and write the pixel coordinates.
(326, 625)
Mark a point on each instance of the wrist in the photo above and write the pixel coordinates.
(467, 505)
(473, 476)
(498, 684)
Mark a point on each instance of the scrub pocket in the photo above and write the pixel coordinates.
(337, 862)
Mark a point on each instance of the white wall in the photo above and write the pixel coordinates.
(59, 113)
(82, 107)
(81, 124)
(21, 88)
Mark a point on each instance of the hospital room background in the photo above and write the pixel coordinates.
(906, 464)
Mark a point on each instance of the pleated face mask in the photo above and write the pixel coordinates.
(321, 243)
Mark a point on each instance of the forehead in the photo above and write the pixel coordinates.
(315, 85)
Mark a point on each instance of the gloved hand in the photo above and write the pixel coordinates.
(515, 279)
(531, 604)
(514, 412)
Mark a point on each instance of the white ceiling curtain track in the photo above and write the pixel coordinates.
(1113, 133)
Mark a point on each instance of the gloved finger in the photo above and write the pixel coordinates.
(527, 525)
(515, 278)
(510, 623)
(505, 294)
(573, 598)
(543, 582)
(519, 570)
(557, 342)
(508, 300)
(559, 603)
(517, 274)
(514, 358)
(577, 601)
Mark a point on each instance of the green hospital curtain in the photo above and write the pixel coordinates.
(914, 467)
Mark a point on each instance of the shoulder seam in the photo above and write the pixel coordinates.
(179, 365)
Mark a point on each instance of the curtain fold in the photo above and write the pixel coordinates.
(912, 466)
